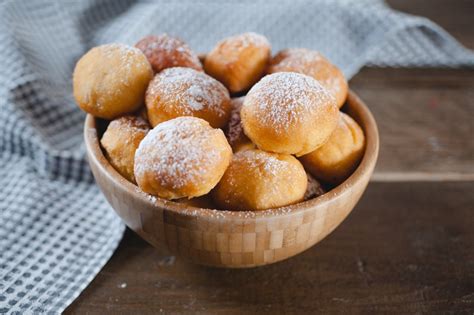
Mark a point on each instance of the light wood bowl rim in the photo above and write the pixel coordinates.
(367, 164)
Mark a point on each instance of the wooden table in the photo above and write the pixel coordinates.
(408, 247)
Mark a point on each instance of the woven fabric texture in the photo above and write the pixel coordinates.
(56, 229)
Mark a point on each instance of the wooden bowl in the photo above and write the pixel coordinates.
(234, 239)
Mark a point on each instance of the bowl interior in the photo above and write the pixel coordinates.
(94, 129)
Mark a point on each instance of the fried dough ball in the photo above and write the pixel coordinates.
(289, 113)
(176, 92)
(204, 202)
(121, 140)
(164, 51)
(182, 157)
(239, 61)
(234, 131)
(313, 64)
(257, 180)
(111, 80)
(337, 159)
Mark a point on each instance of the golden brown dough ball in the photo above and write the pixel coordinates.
(182, 157)
(164, 51)
(340, 155)
(288, 112)
(176, 92)
(257, 180)
(204, 202)
(121, 140)
(239, 61)
(111, 80)
(313, 64)
(234, 131)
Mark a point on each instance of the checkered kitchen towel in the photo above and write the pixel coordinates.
(56, 230)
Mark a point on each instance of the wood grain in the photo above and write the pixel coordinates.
(425, 119)
(390, 255)
(425, 116)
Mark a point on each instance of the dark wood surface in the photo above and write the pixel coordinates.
(425, 117)
(407, 248)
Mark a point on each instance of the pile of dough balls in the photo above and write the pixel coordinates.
(236, 130)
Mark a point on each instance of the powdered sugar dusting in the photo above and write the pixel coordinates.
(118, 65)
(311, 63)
(125, 50)
(286, 99)
(266, 163)
(163, 42)
(244, 40)
(260, 180)
(196, 95)
(127, 54)
(191, 90)
(333, 84)
(217, 213)
(129, 122)
(297, 58)
(175, 152)
(164, 51)
(232, 47)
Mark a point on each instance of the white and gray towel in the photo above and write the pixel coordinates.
(56, 229)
